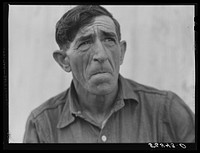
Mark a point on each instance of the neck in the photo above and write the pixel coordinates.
(97, 106)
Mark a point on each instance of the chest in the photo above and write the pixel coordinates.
(121, 127)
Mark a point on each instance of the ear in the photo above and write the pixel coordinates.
(123, 50)
(62, 59)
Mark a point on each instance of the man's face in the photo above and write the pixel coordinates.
(95, 56)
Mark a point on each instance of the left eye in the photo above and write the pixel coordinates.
(109, 39)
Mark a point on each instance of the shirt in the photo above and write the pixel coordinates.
(141, 114)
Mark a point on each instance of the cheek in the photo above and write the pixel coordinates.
(115, 58)
(78, 66)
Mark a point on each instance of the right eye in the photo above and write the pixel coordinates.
(84, 45)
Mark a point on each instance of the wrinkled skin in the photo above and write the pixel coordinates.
(94, 57)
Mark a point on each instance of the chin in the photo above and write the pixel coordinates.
(102, 89)
(102, 84)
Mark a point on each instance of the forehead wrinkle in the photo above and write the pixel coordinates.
(95, 29)
(84, 34)
(101, 21)
(104, 23)
(100, 24)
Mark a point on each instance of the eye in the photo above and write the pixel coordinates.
(109, 41)
(84, 45)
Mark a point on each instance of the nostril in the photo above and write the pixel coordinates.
(100, 59)
(95, 60)
(100, 56)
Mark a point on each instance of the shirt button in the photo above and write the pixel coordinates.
(104, 138)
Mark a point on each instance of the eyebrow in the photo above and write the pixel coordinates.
(83, 38)
(90, 36)
(109, 34)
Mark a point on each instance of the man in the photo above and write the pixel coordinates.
(101, 105)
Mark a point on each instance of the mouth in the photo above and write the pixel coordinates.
(100, 73)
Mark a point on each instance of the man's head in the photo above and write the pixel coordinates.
(76, 18)
(89, 40)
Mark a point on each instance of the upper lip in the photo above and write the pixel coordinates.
(100, 71)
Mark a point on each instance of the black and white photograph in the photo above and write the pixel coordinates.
(101, 74)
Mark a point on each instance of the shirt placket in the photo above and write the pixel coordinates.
(104, 135)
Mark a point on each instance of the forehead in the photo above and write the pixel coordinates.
(103, 23)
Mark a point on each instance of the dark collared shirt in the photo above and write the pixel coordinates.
(141, 114)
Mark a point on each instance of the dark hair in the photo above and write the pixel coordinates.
(70, 23)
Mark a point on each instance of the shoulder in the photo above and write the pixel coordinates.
(175, 118)
(151, 96)
(50, 105)
(146, 90)
(167, 101)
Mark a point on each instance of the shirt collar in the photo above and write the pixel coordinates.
(127, 89)
(125, 92)
(71, 106)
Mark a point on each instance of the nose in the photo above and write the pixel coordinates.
(100, 52)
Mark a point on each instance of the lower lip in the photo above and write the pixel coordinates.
(101, 74)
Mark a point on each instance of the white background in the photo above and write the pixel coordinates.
(160, 53)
